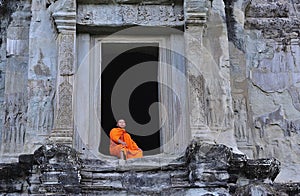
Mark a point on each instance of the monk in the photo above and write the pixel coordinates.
(121, 144)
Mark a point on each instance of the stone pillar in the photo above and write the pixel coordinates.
(41, 75)
(206, 40)
(66, 25)
(195, 20)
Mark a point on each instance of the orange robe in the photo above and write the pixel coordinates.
(131, 150)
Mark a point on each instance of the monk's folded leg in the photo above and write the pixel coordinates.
(116, 150)
(134, 154)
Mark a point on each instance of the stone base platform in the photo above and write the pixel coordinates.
(204, 169)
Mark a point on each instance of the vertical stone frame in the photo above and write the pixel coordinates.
(195, 20)
(174, 138)
(65, 20)
(209, 72)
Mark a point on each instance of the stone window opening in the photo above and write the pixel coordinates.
(166, 141)
(118, 59)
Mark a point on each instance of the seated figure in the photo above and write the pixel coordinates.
(121, 144)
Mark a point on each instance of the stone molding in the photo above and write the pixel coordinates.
(195, 18)
(65, 21)
(196, 12)
(119, 15)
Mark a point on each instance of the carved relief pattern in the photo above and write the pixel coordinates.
(240, 118)
(277, 118)
(40, 113)
(66, 54)
(15, 122)
(218, 105)
(197, 100)
(65, 20)
(64, 117)
(281, 63)
(131, 14)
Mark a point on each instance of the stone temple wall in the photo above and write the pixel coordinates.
(14, 65)
(265, 61)
(28, 68)
(247, 96)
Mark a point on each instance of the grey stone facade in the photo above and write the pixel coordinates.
(232, 67)
(264, 76)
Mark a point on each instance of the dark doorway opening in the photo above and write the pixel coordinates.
(122, 61)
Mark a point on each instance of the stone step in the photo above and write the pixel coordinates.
(61, 134)
(143, 164)
(61, 140)
(105, 184)
(95, 176)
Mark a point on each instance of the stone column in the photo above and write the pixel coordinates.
(195, 20)
(65, 21)
(206, 39)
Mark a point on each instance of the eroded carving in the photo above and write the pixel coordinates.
(15, 122)
(240, 118)
(66, 52)
(64, 116)
(46, 117)
(142, 14)
(218, 103)
(276, 20)
(197, 100)
(278, 71)
(35, 108)
(277, 118)
(40, 116)
(40, 68)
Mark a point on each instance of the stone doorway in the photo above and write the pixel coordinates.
(122, 65)
(169, 79)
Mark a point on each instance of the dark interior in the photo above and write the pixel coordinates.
(117, 58)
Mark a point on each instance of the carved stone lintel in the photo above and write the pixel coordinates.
(145, 15)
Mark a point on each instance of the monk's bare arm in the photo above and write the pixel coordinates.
(121, 142)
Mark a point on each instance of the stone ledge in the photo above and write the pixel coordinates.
(58, 169)
(149, 2)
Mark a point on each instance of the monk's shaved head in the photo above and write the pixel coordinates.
(121, 123)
